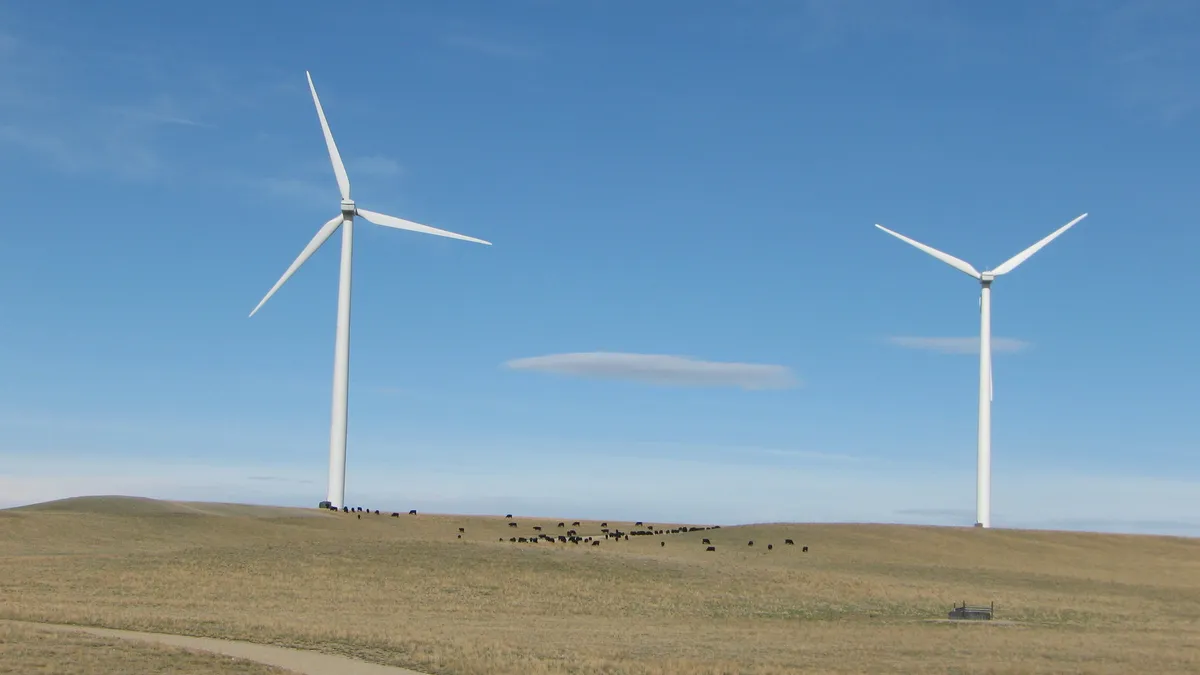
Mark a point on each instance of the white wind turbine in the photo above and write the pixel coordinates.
(341, 359)
(983, 488)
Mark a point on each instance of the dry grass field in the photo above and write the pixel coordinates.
(407, 591)
(26, 650)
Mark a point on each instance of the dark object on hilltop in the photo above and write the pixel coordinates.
(973, 612)
(325, 505)
(412, 512)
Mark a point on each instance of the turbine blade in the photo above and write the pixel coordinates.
(1011, 264)
(326, 230)
(338, 168)
(401, 224)
(960, 265)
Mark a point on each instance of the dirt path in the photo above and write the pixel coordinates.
(300, 661)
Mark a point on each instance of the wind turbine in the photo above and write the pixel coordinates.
(983, 488)
(341, 358)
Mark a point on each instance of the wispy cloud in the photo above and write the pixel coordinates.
(958, 345)
(1144, 53)
(375, 165)
(825, 24)
(312, 183)
(281, 479)
(301, 190)
(159, 112)
(489, 47)
(48, 119)
(940, 515)
(660, 369)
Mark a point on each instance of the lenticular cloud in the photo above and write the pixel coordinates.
(660, 369)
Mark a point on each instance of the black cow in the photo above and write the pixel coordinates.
(711, 548)
(603, 524)
(804, 550)
(461, 529)
(537, 528)
(508, 515)
(360, 516)
(705, 541)
(575, 524)
(751, 543)
(512, 524)
(638, 523)
(562, 524)
(596, 543)
(789, 542)
(395, 514)
(662, 543)
(770, 546)
(412, 512)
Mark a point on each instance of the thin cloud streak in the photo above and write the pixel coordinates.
(958, 345)
(660, 369)
(375, 165)
(490, 47)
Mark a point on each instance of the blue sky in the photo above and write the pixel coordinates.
(676, 179)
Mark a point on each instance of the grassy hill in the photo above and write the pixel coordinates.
(409, 591)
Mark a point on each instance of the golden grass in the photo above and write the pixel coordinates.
(29, 650)
(406, 591)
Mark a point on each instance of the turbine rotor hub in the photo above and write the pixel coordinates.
(987, 277)
(348, 207)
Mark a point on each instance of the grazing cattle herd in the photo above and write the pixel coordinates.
(573, 537)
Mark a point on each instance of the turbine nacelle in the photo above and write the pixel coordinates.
(348, 209)
(987, 277)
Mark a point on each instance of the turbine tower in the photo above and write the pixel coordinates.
(983, 487)
(341, 358)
